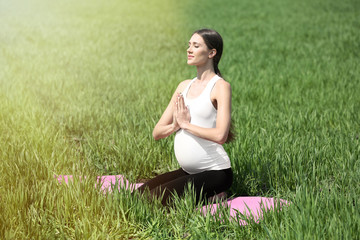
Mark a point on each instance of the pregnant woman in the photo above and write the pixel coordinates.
(200, 114)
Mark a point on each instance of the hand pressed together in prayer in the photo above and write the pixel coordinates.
(181, 112)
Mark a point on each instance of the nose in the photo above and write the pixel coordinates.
(189, 50)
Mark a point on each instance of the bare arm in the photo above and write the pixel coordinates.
(220, 132)
(167, 123)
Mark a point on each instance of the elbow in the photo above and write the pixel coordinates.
(155, 135)
(221, 139)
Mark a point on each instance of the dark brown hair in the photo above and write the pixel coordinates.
(213, 40)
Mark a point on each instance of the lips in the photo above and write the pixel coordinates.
(190, 57)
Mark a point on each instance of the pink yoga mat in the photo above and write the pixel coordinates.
(105, 182)
(248, 206)
(252, 207)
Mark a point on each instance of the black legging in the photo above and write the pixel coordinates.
(209, 182)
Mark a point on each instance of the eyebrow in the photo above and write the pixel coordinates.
(195, 43)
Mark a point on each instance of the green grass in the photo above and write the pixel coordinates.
(83, 83)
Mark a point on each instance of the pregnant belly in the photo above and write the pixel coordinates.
(193, 153)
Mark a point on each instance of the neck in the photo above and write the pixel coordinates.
(205, 73)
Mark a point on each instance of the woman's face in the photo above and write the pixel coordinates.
(198, 53)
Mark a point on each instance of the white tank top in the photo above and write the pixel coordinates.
(193, 153)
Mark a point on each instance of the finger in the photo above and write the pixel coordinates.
(178, 104)
(179, 96)
(182, 103)
(178, 100)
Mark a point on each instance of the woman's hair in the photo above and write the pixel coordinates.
(212, 40)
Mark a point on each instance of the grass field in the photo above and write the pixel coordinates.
(82, 84)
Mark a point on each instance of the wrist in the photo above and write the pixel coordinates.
(175, 127)
(184, 125)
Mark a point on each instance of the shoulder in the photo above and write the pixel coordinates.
(182, 85)
(222, 86)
